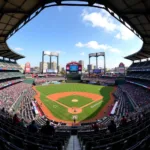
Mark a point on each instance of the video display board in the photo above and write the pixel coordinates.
(97, 71)
(73, 68)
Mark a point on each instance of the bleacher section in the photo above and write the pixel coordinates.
(9, 75)
(139, 95)
(16, 137)
(126, 137)
(140, 66)
(4, 65)
(140, 70)
(9, 95)
(9, 82)
(124, 105)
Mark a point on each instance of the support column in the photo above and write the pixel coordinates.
(57, 64)
(104, 65)
(89, 65)
(96, 61)
(50, 61)
(42, 61)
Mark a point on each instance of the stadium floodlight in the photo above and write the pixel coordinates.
(100, 54)
(54, 54)
(92, 55)
(50, 54)
(47, 53)
(97, 55)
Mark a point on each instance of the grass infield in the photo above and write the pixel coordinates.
(80, 101)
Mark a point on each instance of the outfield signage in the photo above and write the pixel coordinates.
(97, 71)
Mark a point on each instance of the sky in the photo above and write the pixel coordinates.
(74, 32)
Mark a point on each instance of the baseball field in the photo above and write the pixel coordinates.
(64, 102)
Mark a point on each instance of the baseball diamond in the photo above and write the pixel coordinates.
(90, 101)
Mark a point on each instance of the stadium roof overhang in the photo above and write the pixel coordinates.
(134, 14)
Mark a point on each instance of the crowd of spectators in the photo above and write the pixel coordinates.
(47, 129)
(116, 122)
(10, 75)
(9, 82)
(140, 66)
(140, 95)
(9, 65)
(10, 94)
(139, 82)
(25, 108)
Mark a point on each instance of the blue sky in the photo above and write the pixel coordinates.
(75, 32)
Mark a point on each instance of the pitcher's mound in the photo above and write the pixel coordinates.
(74, 100)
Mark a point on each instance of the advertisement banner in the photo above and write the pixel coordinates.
(97, 71)
(27, 67)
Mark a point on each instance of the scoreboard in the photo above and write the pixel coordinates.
(73, 67)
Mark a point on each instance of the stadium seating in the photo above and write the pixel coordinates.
(126, 137)
(138, 94)
(9, 82)
(18, 138)
(124, 105)
(9, 65)
(140, 66)
(10, 94)
(8, 75)
(26, 108)
(139, 70)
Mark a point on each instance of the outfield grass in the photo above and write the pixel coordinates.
(81, 101)
(62, 112)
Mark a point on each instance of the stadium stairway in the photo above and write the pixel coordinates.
(74, 143)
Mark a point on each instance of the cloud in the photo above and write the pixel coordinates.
(99, 19)
(103, 19)
(18, 49)
(96, 46)
(82, 53)
(79, 44)
(124, 33)
(92, 44)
